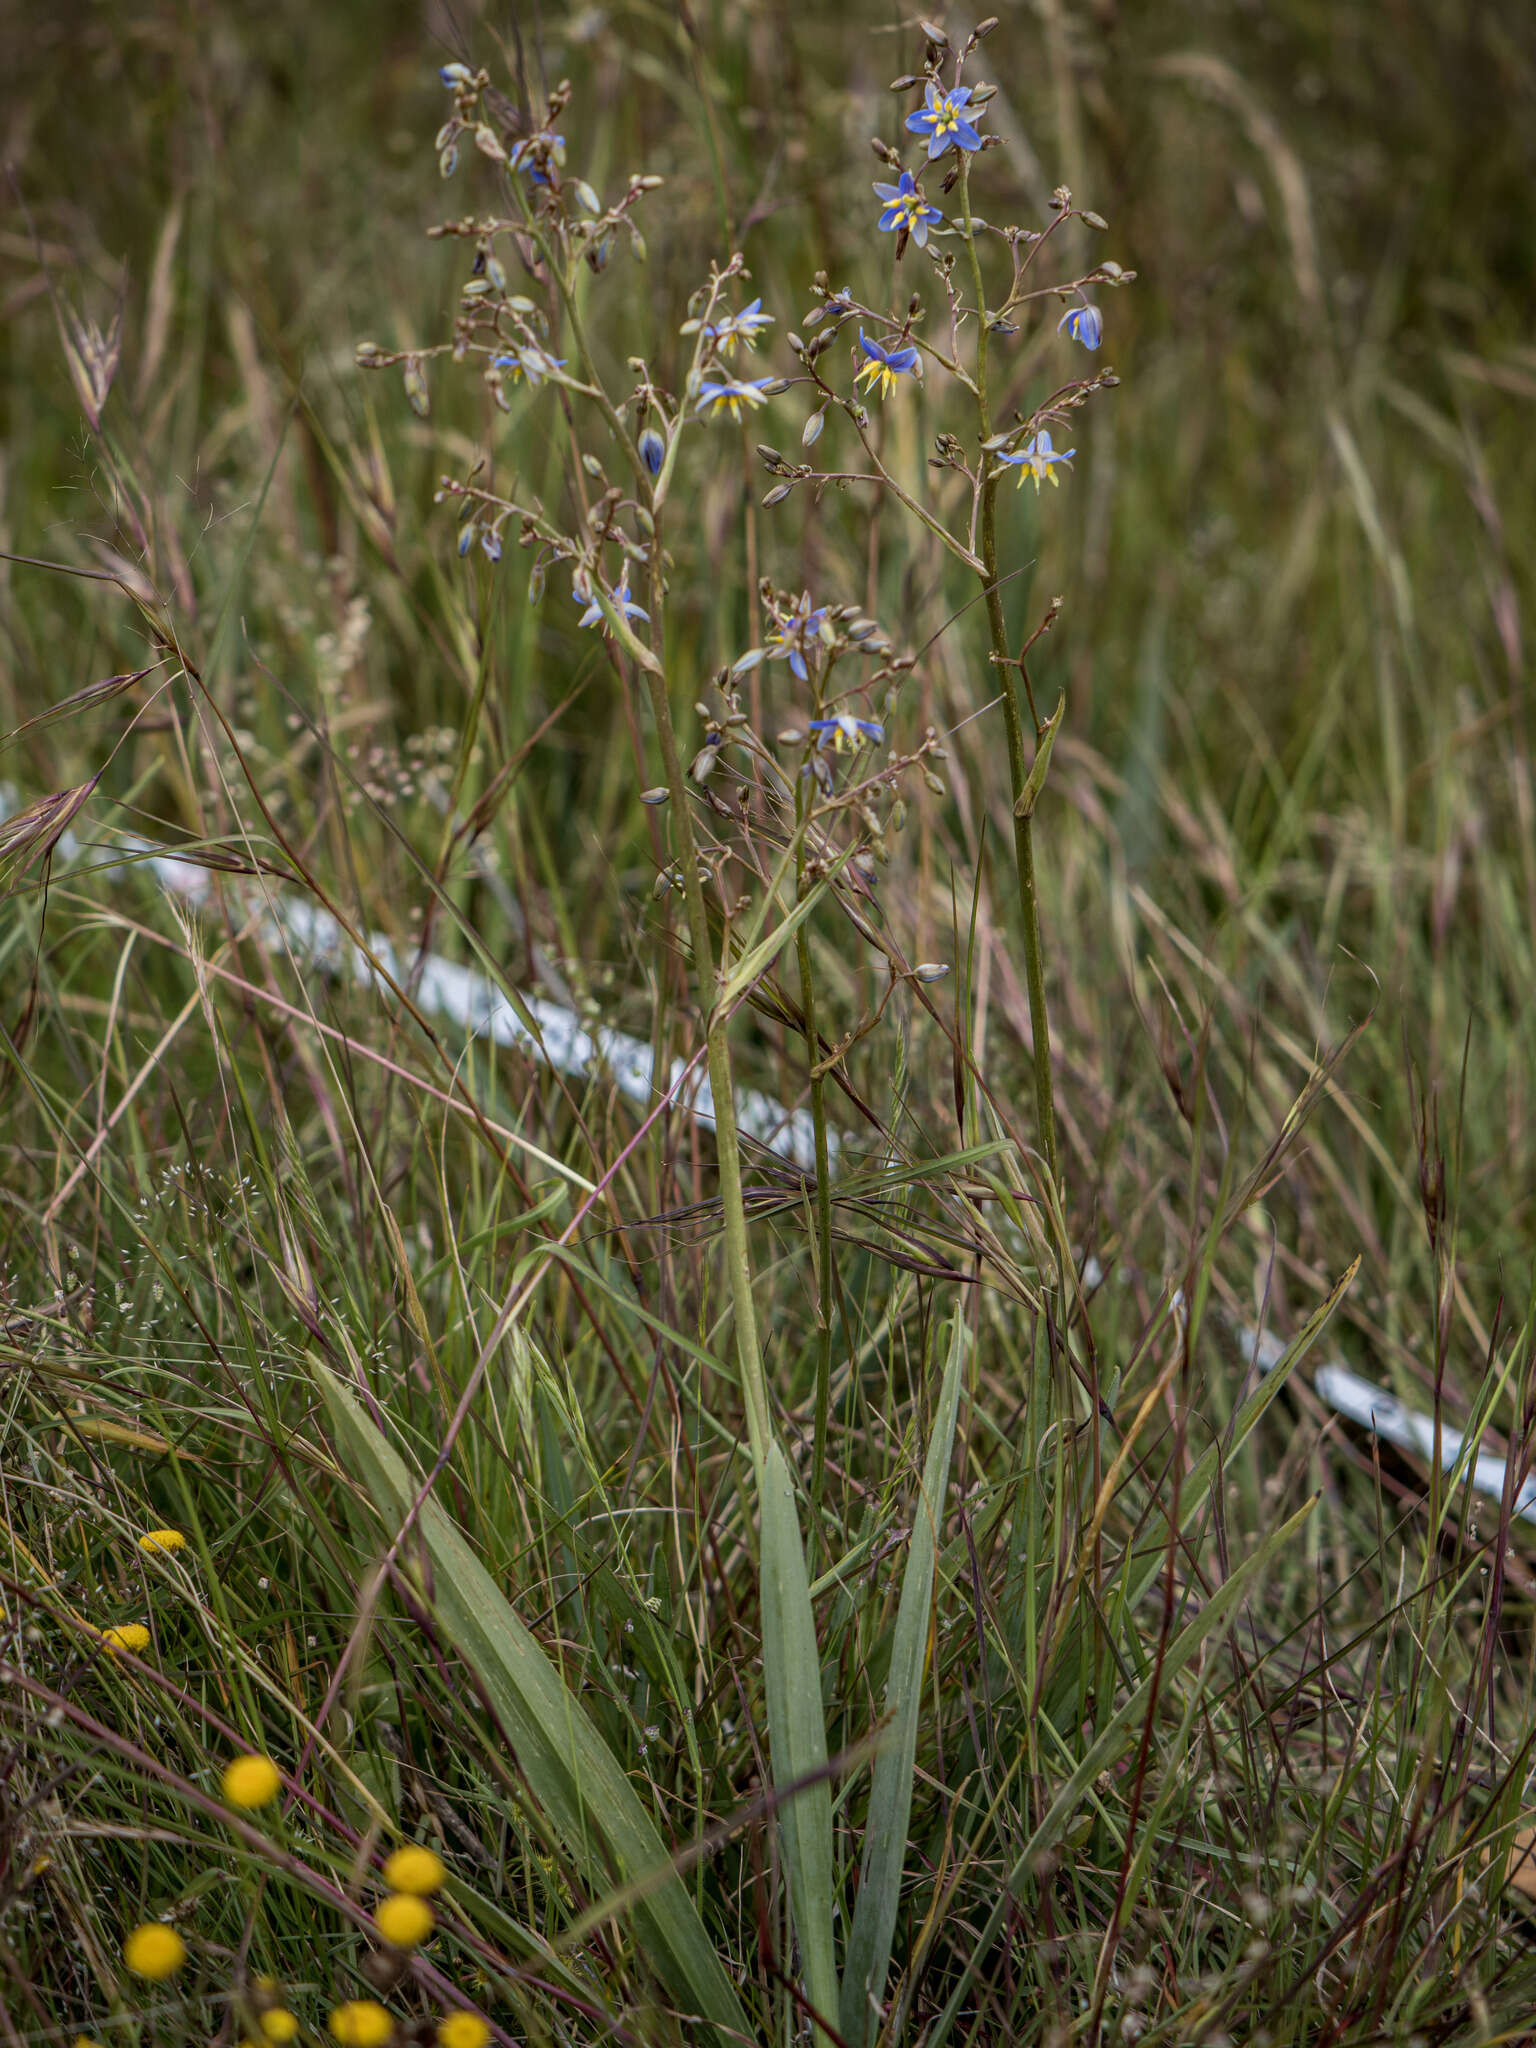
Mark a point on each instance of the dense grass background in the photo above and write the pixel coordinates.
(1176, 1779)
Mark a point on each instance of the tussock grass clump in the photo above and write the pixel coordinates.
(708, 1126)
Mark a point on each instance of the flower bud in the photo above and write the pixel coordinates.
(653, 450)
(930, 970)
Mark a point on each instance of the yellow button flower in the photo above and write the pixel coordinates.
(128, 1635)
(279, 2025)
(361, 2023)
(404, 1920)
(162, 1539)
(462, 2030)
(251, 1781)
(415, 1869)
(154, 1950)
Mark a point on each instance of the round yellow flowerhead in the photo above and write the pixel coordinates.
(251, 1781)
(415, 1869)
(462, 2030)
(404, 1920)
(128, 1635)
(361, 2023)
(280, 2025)
(154, 1950)
(162, 1539)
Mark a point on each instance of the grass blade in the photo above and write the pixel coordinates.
(1120, 1732)
(867, 1962)
(797, 1731)
(569, 1768)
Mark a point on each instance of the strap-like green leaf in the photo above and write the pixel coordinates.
(797, 1731)
(890, 1800)
(569, 1768)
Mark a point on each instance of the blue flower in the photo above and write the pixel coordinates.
(653, 450)
(531, 363)
(743, 326)
(943, 120)
(1037, 458)
(622, 604)
(1084, 323)
(534, 151)
(845, 733)
(794, 636)
(885, 365)
(733, 392)
(906, 210)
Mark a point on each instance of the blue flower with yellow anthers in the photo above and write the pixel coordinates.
(743, 326)
(907, 212)
(943, 120)
(845, 734)
(885, 365)
(623, 604)
(734, 392)
(1083, 323)
(795, 636)
(531, 363)
(1037, 458)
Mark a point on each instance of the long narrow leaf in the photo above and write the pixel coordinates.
(569, 1768)
(867, 1962)
(797, 1731)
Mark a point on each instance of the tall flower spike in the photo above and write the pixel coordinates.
(885, 365)
(942, 118)
(1083, 323)
(906, 211)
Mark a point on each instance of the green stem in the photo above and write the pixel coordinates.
(754, 1384)
(823, 1185)
(1018, 771)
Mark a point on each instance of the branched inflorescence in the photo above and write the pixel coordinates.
(770, 815)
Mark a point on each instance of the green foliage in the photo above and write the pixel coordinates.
(1160, 1705)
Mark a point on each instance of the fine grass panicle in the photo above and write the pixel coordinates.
(767, 1213)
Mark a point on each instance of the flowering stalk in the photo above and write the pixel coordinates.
(823, 1169)
(1018, 773)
